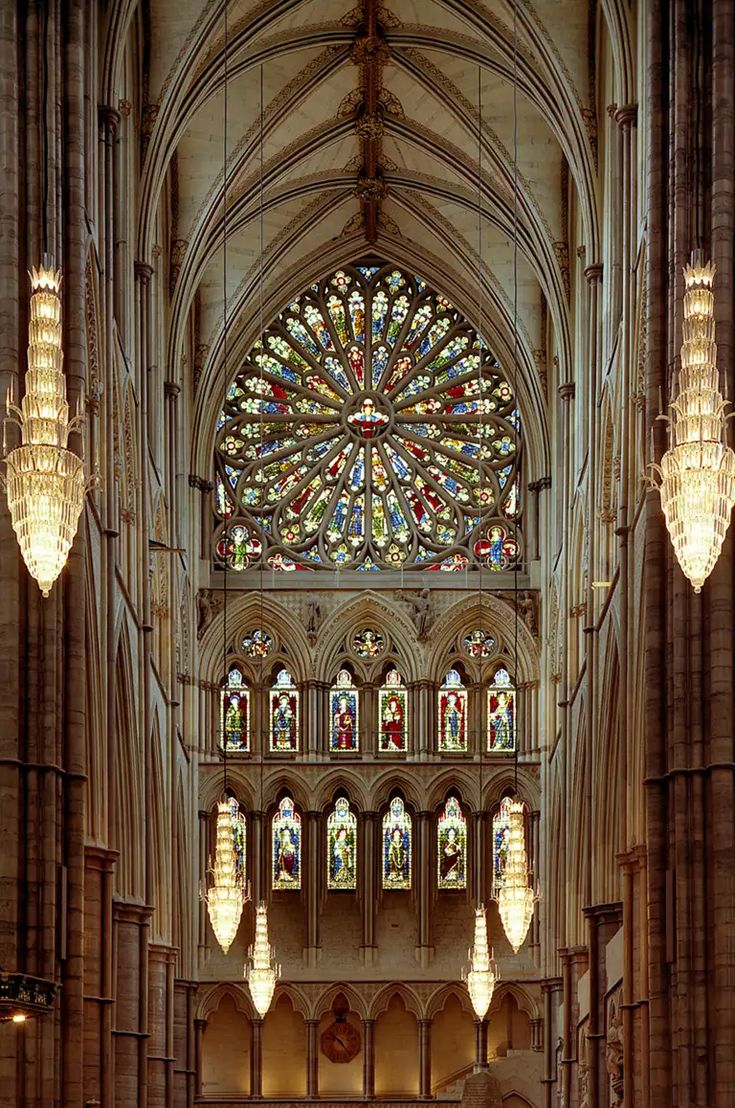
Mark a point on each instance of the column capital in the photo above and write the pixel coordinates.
(171, 389)
(593, 272)
(567, 390)
(143, 272)
(626, 116)
(109, 117)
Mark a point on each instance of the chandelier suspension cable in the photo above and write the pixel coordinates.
(225, 344)
(44, 126)
(515, 362)
(480, 403)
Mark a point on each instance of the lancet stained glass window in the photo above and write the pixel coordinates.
(344, 714)
(501, 713)
(239, 837)
(393, 714)
(501, 835)
(235, 712)
(284, 705)
(368, 428)
(397, 846)
(451, 847)
(342, 847)
(452, 713)
(286, 831)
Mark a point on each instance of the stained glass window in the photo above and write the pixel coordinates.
(393, 714)
(452, 713)
(451, 847)
(501, 713)
(257, 643)
(239, 836)
(286, 839)
(342, 847)
(368, 643)
(284, 706)
(368, 428)
(479, 643)
(235, 712)
(397, 846)
(344, 714)
(501, 835)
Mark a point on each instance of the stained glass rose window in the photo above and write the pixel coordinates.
(369, 428)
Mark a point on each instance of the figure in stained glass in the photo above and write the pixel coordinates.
(257, 643)
(344, 713)
(479, 643)
(368, 643)
(393, 714)
(235, 712)
(239, 839)
(397, 846)
(452, 713)
(284, 704)
(286, 846)
(342, 847)
(501, 838)
(501, 714)
(358, 413)
(451, 846)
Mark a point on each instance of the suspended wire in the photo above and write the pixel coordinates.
(263, 700)
(44, 128)
(226, 382)
(515, 351)
(479, 391)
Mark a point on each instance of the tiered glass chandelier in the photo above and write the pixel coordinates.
(697, 472)
(481, 973)
(515, 896)
(226, 895)
(45, 480)
(261, 970)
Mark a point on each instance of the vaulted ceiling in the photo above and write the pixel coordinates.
(384, 127)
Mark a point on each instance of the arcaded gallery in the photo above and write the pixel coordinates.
(367, 650)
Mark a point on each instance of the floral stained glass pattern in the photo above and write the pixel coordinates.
(239, 838)
(235, 712)
(368, 643)
(452, 714)
(344, 714)
(451, 847)
(286, 832)
(342, 847)
(397, 846)
(479, 643)
(369, 428)
(501, 836)
(284, 705)
(393, 714)
(257, 644)
(501, 713)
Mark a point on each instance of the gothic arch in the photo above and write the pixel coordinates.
(410, 997)
(390, 782)
(439, 998)
(127, 794)
(326, 999)
(211, 998)
(362, 611)
(498, 614)
(244, 610)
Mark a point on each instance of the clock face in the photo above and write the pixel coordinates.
(341, 1042)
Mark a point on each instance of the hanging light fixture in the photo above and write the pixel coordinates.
(481, 974)
(261, 969)
(45, 480)
(226, 895)
(697, 472)
(516, 898)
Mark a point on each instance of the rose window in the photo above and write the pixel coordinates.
(369, 428)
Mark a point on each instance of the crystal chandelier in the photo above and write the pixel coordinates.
(45, 480)
(261, 970)
(226, 894)
(697, 472)
(481, 973)
(515, 896)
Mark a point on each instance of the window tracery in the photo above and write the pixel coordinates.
(397, 846)
(342, 847)
(369, 428)
(451, 847)
(286, 842)
(235, 712)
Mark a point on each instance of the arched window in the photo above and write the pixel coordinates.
(239, 836)
(369, 427)
(257, 643)
(344, 714)
(342, 847)
(501, 835)
(284, 714)
(368, 643)
(235, 712)
(397, 846)
(451, 847)
(478, 643)
(393, 714)
(286, 840)
(452, 712)
(501, 713)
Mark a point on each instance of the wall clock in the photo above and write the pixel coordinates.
(341, 1041)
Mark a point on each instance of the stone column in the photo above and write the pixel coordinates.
(551, 991)
(257, 885)
(185, 1066)
(574, 964)
(368, 1059)
(161, 961)
(368, 856)
(199, 1029)
(98, 969)
(603, 920)
(204, 845)
(481, 1044)
(537, 1034)
(480, 856)
(131, 923)
(368, 725)
(314, 837)
(312, 1058)
(424, 874)
(172, 392)
(425, 1059)
(256, 1059)
(421, 738)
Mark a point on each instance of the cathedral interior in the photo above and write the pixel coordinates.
(370, 738)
